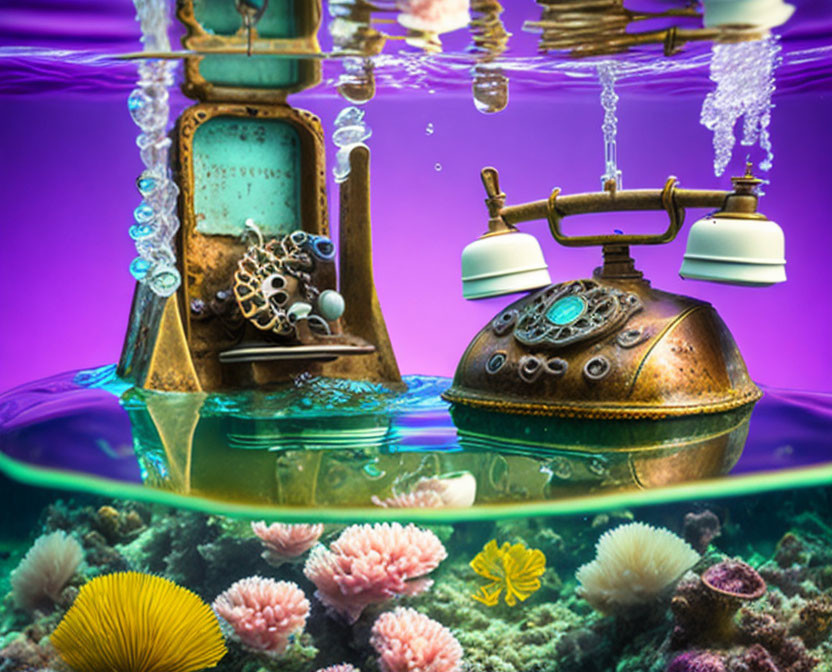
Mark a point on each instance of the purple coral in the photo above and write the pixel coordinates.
(700, 529)
(788, 580)
(769, 647)
(697, 661)
(704, 608)
(754, 659)
(734, 579)
(761, 628)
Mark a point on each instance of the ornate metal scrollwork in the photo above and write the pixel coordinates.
(275, 282)
(571, 312)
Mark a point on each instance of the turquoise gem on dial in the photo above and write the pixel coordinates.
(566, 310)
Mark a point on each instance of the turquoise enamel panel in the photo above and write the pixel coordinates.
(246, 168)
(566, 310)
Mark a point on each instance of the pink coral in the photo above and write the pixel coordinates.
(264, 613)
(408, 641)
(435, 16)
(44, 572)
(373, 563)
(418, 498)
(452, 490)
(285, 542)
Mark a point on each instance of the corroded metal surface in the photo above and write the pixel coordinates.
(665, 356)
(588, 28)
(199, 38)
(209, 261)
(362, 316)
(155, 354)
(211, 315)
(274, 276)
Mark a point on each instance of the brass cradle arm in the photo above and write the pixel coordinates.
(671, 198)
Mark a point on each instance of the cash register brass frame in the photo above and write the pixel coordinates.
(203, 259)
(198, 39)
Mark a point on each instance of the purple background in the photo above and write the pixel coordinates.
(67, 183)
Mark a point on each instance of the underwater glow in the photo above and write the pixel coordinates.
(515, 569)
(744, 76)
(133, 622)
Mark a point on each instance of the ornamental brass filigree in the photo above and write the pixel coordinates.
(604, 309)
(276, 278)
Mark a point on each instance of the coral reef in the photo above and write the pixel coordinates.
(513, 568)
(634, 564)
(368, 564)
(408, 641)
(118, 526)
(756, 658)
(700, 529)
(195, 550)
(814, 621)
(45, 571)
(697, 661)
(285, 543)
(24, 655)
(264, 613)
(786, 629)
(128, 621)
(704, 607)
(456, 490)
(734, 581)
(500, 638)
(768, 644)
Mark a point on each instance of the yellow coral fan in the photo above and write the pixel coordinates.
(516, 569)
(132, 622)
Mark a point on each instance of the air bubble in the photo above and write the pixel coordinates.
(744, 76)
(164, 280)
(139, 231)
(143, 214)
(350, 131)
(139, 268)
